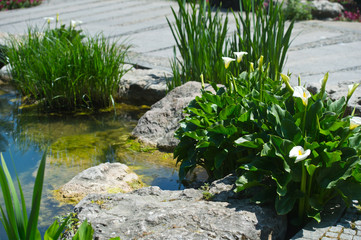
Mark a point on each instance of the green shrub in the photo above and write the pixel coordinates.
(215, 121)
(200, 37)
(13, 4)
(257, 128)
(311, 155)
(297, 10)
(64, 70)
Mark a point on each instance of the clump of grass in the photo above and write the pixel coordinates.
(262, 32)
(65, 70)
(200, 36)
(13, 4)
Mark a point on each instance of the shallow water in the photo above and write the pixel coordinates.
(74, 144)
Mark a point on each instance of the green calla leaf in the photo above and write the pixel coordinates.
(291, 131)
(355, 141)
(351, 189)
(250, 141)
(284, 204)
(229, 130)
(220, 157)
(336, 106)
(313, 213)
(330, 176)
(311, 168)
(330, 157)
(226, 112)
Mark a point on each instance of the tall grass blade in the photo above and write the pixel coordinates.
(18, 213)
(32, 230)
(10, 218)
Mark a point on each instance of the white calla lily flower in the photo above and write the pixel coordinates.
(227, 61)
(48, 19)
(74, 23)
(302, 93)
(299, 153)
(355, 122)
(239, 55)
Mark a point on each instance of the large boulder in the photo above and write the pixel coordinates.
(143, 86)
(157, 126)
(104, 178)
(152, 213)
(322, 9)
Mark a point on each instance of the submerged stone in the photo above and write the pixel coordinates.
(104, 178)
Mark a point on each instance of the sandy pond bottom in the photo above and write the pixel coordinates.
(75, 143)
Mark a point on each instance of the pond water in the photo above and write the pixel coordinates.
(75, 142)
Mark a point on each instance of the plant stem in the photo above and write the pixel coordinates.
(304, 123)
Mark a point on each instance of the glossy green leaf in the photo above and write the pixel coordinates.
(250, 141)
(85, 232)
(330, 157)
(291, 131)
(229, 130)
(311, 168)
(284, 204)
(336, 106)
(226, 112)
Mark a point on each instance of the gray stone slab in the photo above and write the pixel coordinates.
(336, 58)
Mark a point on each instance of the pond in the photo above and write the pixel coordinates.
(74, 142)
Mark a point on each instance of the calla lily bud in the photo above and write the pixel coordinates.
(202, 80)
(323, 84)
(351, 90)
(251, 67)
(57, 17)
(286, 80)
(260, 63)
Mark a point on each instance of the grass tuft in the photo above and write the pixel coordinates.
(65, 70)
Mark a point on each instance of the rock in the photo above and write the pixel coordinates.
(3, 50)
(5, 73)
(152, 213)
(143, 86)
(340, 89)
(104, 178)
(157, 126)
(322, 9)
